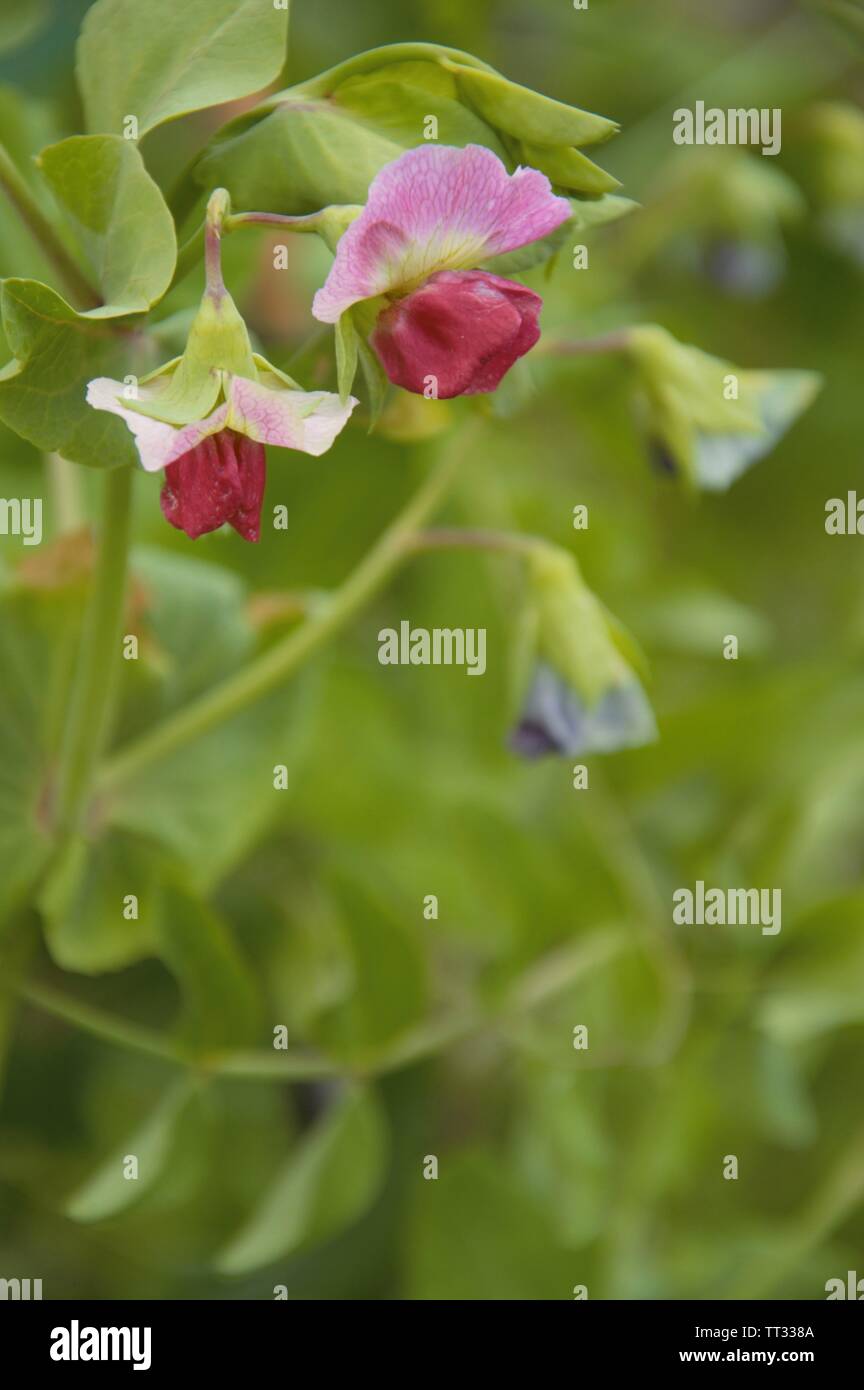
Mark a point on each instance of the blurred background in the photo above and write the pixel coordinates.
(452, 1037)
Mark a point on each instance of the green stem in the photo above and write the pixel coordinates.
(40, 228)
(470, 538)
(99, 1024)
(65, 488)
(274, 666)
(616, 341)
(99, 659)
(306, 222)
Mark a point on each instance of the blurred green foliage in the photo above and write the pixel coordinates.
(303, 909)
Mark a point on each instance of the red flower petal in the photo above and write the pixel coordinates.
(221, 479)
(457, 334)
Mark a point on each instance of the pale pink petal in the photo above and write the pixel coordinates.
(158, 444)
(305, 420)
(436, 208)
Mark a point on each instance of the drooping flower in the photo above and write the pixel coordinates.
(728, 210)
(708, 420)
(204, 418)
(406, 268)
(582, 693)
(829, 159)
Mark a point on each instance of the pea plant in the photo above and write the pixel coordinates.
(151, 699)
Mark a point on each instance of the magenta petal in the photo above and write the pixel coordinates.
(458, 334)
(221, 479)
(436, 208)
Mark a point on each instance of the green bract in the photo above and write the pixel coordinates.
(324, 140)
(571, 629)
(218, 342)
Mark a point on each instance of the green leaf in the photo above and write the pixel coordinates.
(196, 630)
(83, 901)
(815, 984)
(507, 1246)
(120, 220)
(42, 392)
(220, 997)
(16, 950)
(328, 1182)
(388, 973)
(210, 801)
(196, 620)
(696, 619)
(163, 59)
(108, 1191)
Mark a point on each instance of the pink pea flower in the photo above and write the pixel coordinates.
(215, 466)
(205, 417)
(433, 216)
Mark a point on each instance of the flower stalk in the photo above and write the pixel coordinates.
(273, 667)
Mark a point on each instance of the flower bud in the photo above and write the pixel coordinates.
(828, 156)
(708, 421)
(728, 209)
(582, 694)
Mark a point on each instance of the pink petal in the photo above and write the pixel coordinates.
(304, 420)
(158, 444)
(436, 208)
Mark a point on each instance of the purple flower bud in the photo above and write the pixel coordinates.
(457, 334)
(220, 479)
(556, 719)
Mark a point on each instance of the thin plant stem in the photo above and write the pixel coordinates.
(469, 538)
(93, 687)
(274, 666)
(100, 1024)
(73, 280)
(306, 222)
(616, 341)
